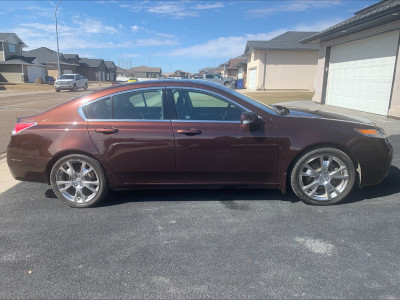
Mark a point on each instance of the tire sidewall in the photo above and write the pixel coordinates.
(294, 181)
(103, 182)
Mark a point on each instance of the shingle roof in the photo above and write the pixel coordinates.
(287, 41)
(18, 60)
(47, 56)
(91, 62)
(4, 36)
(384, 8)
(110, 64)
(71, 56)
(146, 69)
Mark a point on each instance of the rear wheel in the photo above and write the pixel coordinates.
(79, 180)
(323, 176)
(57, 90)
(74, 88)
(85, 87)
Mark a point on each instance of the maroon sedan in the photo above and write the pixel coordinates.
(193, 133)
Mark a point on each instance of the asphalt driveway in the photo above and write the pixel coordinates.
(208, 244)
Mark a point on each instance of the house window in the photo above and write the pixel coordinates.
(11, 47)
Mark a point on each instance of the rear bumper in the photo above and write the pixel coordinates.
(26, 168)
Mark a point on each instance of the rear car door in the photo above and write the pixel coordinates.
(211, 145)
(130, 132)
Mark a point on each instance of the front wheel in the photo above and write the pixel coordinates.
(74, 88)
(85, 87)
(79, 180)
(323, 176)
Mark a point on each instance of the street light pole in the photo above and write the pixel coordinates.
(58, 49)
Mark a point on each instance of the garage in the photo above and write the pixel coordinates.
(67, 72)
(252, 79)
(35, 72)
(361, 74)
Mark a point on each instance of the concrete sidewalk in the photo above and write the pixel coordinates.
(6, 179)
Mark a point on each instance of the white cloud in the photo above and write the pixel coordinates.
(292, 6)
(129, 55)
(153, 42)
(93, 26)
(208, 6)
(318, 25)
(135, 28)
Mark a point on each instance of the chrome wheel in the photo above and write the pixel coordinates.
(77, 181)
(323, 177)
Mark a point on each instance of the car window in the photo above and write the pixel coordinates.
(145, 105)
(196, 105)
(100, 110)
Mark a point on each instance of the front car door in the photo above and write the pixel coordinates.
(130, 132)
(211, 145)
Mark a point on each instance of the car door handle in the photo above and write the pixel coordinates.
(106, 130)
(190, 131)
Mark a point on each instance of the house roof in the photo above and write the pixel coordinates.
(110, 64)
(119, 69)
(47, 56)
(71, 56)
(91, 62)
(21, 60)
(287, 41)
(382, 12)
(147, 69)
(4, 37)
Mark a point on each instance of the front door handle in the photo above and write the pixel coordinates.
(190, 131)
(106, 130)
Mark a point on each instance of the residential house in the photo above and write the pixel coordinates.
(147, 72)
(111, 73)
(282, 63)
(14, 66)
(234, 67)
(49, 57)
(92, 69)
(208, 71)
(120, 72)
(359, 61)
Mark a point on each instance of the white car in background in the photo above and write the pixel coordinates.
(71, 82)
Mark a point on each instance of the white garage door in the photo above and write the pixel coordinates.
(67, 71)
(252, 79)
(35, 72)
(361, 74)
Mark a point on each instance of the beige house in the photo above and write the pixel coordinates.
(282, 63)
(14, 65)
(358, 63)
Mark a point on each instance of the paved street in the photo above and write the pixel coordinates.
(13, 105)
(199, 244)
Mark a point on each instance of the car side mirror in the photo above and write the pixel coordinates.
(248, 118)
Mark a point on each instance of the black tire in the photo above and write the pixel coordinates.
(323, 176)
(57, 90)
(85, 87)
(227, 84)
(74, 88)
(79, 180)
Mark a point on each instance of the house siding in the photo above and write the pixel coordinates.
(291, 70)
(11, 73)
(321, 81)
(256, 61)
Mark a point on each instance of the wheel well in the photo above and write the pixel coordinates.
(65, 153)
(325, 145)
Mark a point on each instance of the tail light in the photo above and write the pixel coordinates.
(22, 126)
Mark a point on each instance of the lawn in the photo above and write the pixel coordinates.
(270, 97)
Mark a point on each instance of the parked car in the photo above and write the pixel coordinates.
(71, 82)
(194, 133)
(217, 79)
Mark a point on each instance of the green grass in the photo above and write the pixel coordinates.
(269, 97)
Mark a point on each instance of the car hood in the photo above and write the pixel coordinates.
(64, 80)
(297, 112)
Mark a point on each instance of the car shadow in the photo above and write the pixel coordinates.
(229, 197)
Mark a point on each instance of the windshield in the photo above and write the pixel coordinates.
(67, 77)
(252, 101)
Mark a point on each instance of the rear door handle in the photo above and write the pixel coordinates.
(106, 130)
(190, 131)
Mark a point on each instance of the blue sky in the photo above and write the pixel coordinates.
(185, 35)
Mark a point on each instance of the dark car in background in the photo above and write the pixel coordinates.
(186, 133)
